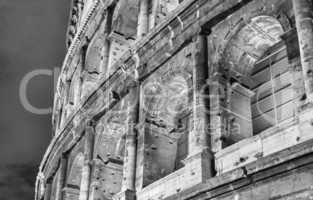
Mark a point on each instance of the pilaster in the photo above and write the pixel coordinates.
(304, 23)
(200, 157)
(87, 168)
(130, 156)
(61, 178)
(143, 18)
(48, 189)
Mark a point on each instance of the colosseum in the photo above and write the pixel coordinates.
(183, 99)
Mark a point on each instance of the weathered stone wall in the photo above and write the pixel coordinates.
(166, 109)
(295, 184)
(150, 91)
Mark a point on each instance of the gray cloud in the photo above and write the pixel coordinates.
(19, 177)
(32, 36)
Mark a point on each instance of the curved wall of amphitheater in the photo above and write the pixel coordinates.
(193, 99)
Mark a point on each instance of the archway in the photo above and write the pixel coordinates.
(166, 113)
(258, 88)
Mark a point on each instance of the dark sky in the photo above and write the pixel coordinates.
(32, 37)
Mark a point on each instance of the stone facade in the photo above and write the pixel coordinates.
(192, 99)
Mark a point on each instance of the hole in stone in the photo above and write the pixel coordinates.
(243, 159)
(303, 97)
(310, 73)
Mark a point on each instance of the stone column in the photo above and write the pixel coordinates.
(57, 115)
(104, 66)
(217, 115)
(153, 14)
(303, 10)
(106, 29)
(143, 18)
(85, 180)
(48, 189)
(199, 160)
(61, 177)
(198, 138)
(130, 156)
(67, 91)
(78, 85)
(95, 182)
(291, 41)
(88, 154)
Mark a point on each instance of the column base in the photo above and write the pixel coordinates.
(126, 195)
(200, 166)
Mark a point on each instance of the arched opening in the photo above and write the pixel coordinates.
(166, 110)
(257, 80)
(109, 152)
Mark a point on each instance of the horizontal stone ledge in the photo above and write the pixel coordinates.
(287, 160)
(219, 7)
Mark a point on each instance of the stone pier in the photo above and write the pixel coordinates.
(86, 171)
(61, 177)
(199, 152)
(143, 18)
(303, 10)
(130, 156)
(48, 189)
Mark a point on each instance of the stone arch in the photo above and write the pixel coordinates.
(177, 98)
(252, 39)
(168, 98)
(228, 28)
(156, 88)
(250, 43)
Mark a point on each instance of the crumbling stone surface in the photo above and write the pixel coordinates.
(193, 99)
